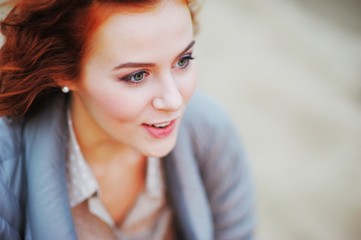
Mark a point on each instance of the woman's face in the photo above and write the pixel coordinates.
(137, 79)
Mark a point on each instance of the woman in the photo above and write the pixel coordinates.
(115, 153)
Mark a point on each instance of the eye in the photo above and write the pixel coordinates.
(136, 77)
(184, 61)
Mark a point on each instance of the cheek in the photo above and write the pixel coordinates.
(187, 84)
(116, 102)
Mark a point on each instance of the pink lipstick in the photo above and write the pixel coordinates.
(160, 130)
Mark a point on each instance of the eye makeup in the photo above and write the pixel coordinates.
(135, 78)
(184, 61)
(139, 77)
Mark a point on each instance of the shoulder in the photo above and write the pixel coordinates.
(204, 112)
(223, 166)
(10, 152)
(205, 118)
(10, 138)
(11, 179)
(209, 127)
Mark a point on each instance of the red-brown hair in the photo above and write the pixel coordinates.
(44, 43)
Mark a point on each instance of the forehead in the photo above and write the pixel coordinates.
(137, 32)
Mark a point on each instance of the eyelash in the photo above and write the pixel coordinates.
(187, 57)
(128, 78)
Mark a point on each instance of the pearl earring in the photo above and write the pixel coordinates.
(65, 89)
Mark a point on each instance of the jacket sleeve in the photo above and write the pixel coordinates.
(10, 175)
(225, 173)
(7, 231)
(8, 207)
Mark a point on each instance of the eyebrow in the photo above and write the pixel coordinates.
(137, 65)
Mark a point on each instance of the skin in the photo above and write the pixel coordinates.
(109, 112)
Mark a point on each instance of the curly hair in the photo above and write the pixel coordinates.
(45, 41)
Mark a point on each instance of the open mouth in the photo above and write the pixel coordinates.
(160, 130)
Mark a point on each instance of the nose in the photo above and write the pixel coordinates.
(169, 98)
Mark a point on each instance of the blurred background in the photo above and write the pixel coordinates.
(288, 72)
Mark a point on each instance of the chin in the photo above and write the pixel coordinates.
(161, 150)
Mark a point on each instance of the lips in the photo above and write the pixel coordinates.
(160, 130)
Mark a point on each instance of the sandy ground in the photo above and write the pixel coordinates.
(289, 74)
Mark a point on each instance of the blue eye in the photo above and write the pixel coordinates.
(135, 77)
(184, 61)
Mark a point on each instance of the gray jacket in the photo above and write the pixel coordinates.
(206, 173)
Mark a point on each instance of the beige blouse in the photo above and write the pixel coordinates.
(151, 215)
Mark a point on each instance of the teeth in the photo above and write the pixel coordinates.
(161, 125)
